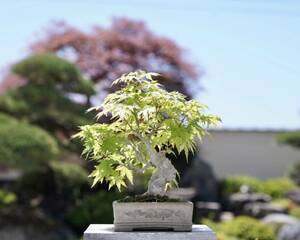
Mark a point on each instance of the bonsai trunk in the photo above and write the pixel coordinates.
(165, 172)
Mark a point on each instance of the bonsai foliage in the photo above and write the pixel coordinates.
(147, 122)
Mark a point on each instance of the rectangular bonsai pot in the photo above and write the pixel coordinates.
(143, 216)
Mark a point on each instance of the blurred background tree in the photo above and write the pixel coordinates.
(24, 146)
(44, 98)
(126, 45)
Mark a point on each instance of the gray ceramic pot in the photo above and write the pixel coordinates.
(172, 216)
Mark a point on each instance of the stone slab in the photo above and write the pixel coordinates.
(106, 232)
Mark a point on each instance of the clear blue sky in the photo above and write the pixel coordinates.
(249, 49)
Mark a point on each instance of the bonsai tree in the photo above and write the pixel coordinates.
(146, 124)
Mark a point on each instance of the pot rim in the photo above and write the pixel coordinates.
(156, 203)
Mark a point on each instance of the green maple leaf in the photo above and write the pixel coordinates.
(141, 111)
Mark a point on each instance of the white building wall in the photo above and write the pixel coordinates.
(248, 152)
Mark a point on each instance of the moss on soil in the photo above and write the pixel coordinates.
(148, 198)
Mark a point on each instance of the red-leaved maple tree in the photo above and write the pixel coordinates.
(103, 54)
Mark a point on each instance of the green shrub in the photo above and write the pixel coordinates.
(45, 98)
(290, 138)
(6, 119)
(232, 184)
(95, 208)
(294, 173)
(7, 198)
(216, 227)
(242, 228)
(274, 187)
(69, 178)
(277, 187)
(295, 212)
(284, 202)
(24, 146)
(53, 111)
(64, 181)
(247, 228)
(50, 69)
(55, 189)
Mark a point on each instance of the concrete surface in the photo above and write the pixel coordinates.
(106, 232)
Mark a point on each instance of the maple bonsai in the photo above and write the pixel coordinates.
(146, 124)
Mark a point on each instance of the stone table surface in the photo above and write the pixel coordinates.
(106, 232)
